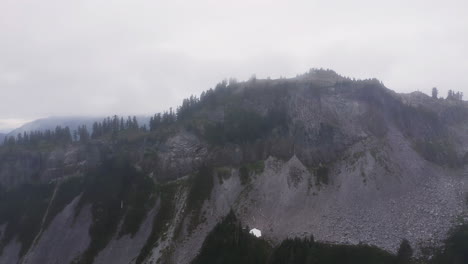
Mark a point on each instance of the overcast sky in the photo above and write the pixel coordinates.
(100, 57)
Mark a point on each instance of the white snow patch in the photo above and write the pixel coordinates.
(256, 232)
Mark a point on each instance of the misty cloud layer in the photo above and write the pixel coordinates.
(95, 57)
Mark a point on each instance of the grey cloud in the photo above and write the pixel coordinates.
(104, 57)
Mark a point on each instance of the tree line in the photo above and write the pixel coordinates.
(112, 126)
(61, 135)
(451, 95)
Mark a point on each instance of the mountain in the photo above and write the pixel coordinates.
(329, 169)
(52, 122)
(64, 121)
(2, 137)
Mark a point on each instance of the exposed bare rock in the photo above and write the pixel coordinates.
(10, 253)
(65, 238)
(125, 249)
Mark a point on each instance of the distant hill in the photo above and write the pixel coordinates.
(2, 136)
(71, 121)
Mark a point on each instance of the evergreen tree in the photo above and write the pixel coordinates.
(122, 124)
(405, 252)
(450, 95)
(135, 123)
(434, 93)
(75, 135)
(96, 131)
(83, 133)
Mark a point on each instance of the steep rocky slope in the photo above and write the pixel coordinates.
(346, 161)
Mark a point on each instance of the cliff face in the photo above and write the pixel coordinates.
(347, 161)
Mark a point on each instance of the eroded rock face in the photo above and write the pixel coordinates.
(125, 249)
(42, 166)
(10, 253)
(363, 203)
(179, 155)
(65, 238)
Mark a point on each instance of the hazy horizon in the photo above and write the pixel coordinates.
(116, 57)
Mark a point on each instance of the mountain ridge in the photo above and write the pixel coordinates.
(345, 161)
(72, 122)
